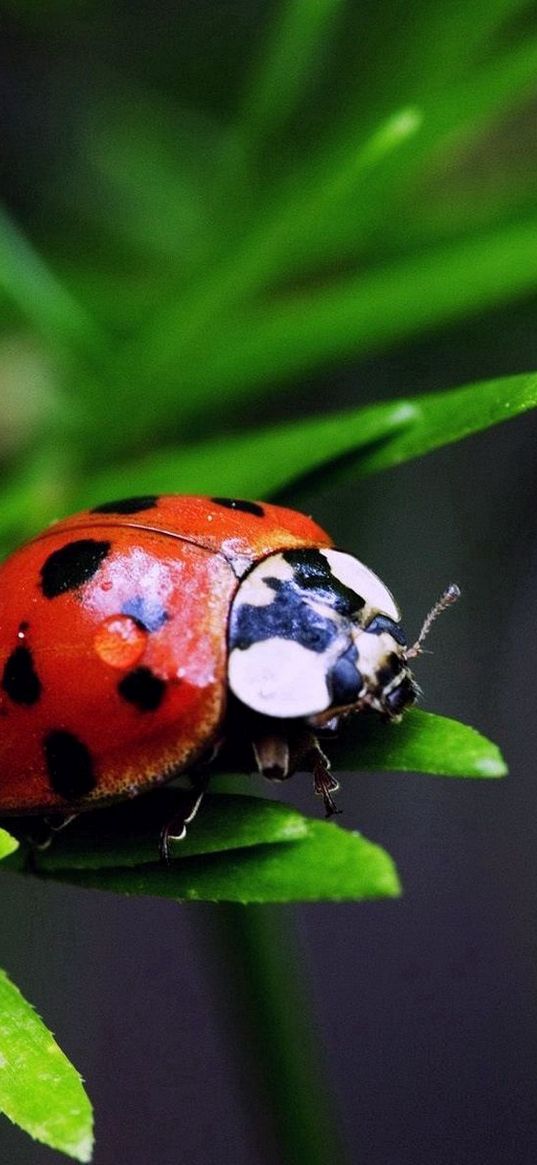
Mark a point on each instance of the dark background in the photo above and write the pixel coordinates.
(427, 1006)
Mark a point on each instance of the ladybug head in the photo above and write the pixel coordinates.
(314, 632)
(389, 686)
(387, 683)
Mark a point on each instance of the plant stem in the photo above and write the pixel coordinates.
(278, 1032)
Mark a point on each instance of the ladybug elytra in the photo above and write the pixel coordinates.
(133, 634)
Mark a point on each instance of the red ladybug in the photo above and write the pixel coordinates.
(124, 629)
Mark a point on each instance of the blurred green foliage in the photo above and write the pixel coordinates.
(39, 1089)
(313, 181)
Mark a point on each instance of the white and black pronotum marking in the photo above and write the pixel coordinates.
(315, 630)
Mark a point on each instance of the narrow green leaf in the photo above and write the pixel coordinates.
(128, 834)
(266, 461)
(408, 207)
(8, 844)
(253, 463)
(291, 336)
(328, 864)
(444, 417)
(177, 337)
(156, 161)
(39, 1089)
(421, 743)
(465, 34)
(39, 295)
(297, 39)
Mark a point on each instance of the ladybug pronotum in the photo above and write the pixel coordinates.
(133, 636)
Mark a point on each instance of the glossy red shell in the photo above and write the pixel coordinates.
(113, 644)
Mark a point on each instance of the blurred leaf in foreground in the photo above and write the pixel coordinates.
(39, 1089)
(8, 844)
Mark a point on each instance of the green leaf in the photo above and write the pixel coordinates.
(291, 335)
(266, 461)
(39, 1089)
(298, 38)
(421, 743)
(177, 338)
(327, 864)
(128, 834)
(444, 417)
(39, 295)
(156, 162)
(410, 204)
(253, 463)
(8, 844)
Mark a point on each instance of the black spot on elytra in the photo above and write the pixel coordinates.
(142, 688)
(149, 613)
(127, 505)
(71, 566)
(20, 679)
(382, 623)
(312, 573)
(239, 504)
(69, 764)
(344, 680)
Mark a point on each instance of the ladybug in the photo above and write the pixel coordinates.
(137, 636)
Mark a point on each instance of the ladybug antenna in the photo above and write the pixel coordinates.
(449, 596)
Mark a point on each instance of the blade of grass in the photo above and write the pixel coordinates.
(176, 338)
(258, 257)
(453, 105)
(294, 335)
(400, 208)
(443, 418)
(292, 48)
(41, 298)
(268, 461)
(253, 463)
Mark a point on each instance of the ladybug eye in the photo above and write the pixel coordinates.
(398, 699)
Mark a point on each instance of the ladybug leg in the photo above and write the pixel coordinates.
(324, 781)
(42, 836)
(57, 823)
(272, 756)
(278, 757)
(309, 752)
(189, 801)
